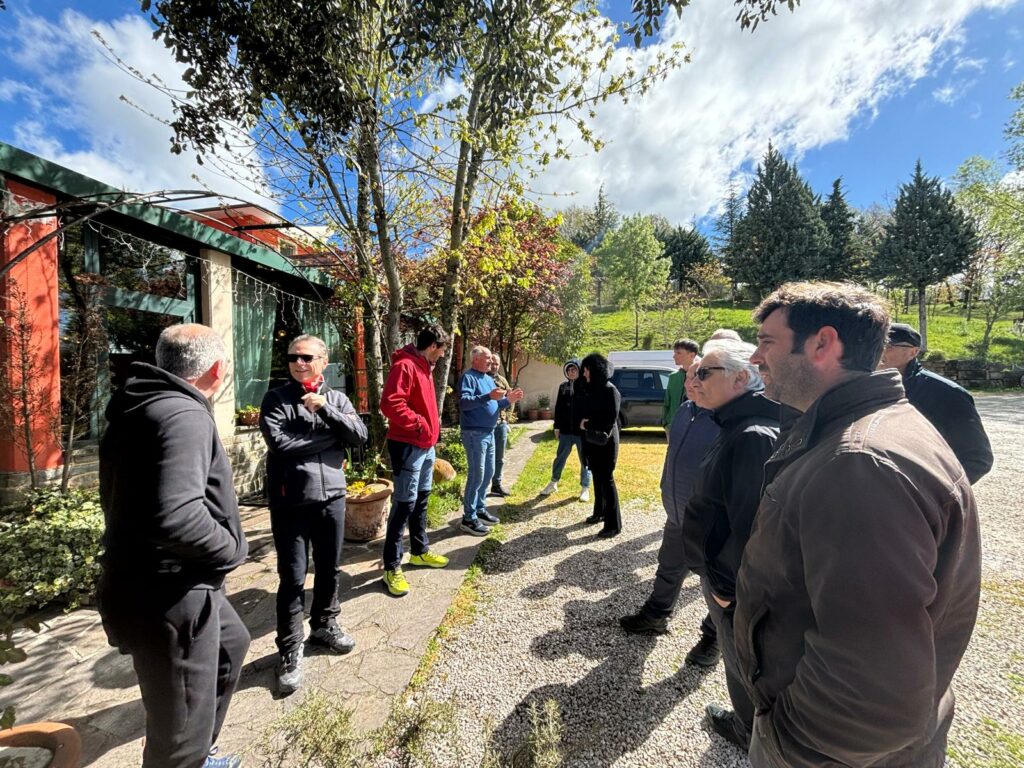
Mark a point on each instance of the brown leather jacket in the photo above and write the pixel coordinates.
(859, 586)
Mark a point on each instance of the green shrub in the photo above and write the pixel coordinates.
(936, 355)
(450, 449)
(318, 732)
(49, 551)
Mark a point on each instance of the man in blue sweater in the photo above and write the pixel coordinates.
(691, 433)
(480, 402)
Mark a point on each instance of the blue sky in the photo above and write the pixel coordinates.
(858, 90)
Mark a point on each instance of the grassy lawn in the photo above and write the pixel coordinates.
(948, 332)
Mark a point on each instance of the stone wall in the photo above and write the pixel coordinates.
(974, 374)
(245, 448)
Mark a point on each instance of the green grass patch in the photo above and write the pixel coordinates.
(949, 332)
(990, 745)
(444, 500)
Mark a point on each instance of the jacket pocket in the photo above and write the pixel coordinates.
(751, 652)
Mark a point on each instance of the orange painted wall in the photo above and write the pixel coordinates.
(36, 276)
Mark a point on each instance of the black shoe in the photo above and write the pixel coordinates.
(705, 653)
(725, 723)
(642, 624)
(334, 637)
(594, 519)
(499, 490)
(607, 533)
(487, 518)
(289, 672)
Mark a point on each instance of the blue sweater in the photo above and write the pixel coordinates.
(692, 432)
(476, 408)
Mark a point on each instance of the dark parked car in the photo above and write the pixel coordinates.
(643, 394)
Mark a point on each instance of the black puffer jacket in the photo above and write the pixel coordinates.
(720, 513)
(166, 489)
(567, 402)
(600, 404)
(950, 408)
(305, 450)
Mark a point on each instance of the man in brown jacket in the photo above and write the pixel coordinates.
(859, 586)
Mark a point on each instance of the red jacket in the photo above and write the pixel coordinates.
(408, 400)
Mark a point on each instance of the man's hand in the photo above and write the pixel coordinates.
(720, 601)
(313, 401)
(515, 395)
(558, 433)
(497, 393)
(583, 424)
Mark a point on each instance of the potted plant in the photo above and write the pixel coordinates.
(366, 499)
(544, 405)
(249, 416)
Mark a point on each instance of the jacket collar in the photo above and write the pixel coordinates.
(744, 407)
(913, 368)
(842, 404)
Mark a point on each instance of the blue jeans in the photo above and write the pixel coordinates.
(565, 444)
(500, 443)
(413, 477)
(479, 445)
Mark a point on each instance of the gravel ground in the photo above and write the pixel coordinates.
(547, 629)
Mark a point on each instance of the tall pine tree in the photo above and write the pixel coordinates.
(781, 237)
(929, 239)
(686, 249)
(841, 255)
(603, 219)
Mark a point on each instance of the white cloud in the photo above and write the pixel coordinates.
(800, 81)
(967, 63)
(76, 108)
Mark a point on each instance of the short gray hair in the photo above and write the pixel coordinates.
(724, 333)
(189, 350)
(479, 350)
(734, 356)
(312, 340)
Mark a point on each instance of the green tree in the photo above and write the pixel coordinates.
(781, 237)
(996, 269)
(1015, 129)
(631, 258)
(929, 239)
(840, 257)
(686, 249)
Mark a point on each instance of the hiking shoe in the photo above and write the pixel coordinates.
(549, 488)
(725, 723)
(642, 624)
(585, 494)
(224, 761)
(396, 583)
(594, 519)
(474, 528)
(289, 672)
(334, 637)
(500, 490)
(487, 518)
(705, 653)
(429, 559)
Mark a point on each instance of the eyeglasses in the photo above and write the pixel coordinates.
(705, 371)
(293, 358)
(905, 346)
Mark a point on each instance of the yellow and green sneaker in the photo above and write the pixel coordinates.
(396, 583)
(429, 559)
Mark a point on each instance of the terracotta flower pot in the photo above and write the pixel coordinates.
(545, 413)
(60, 740)
(533, 414)
(366, 510)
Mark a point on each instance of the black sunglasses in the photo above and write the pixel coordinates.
(703, 373)
(294, 358)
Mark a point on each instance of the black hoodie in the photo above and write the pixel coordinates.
(166, 488)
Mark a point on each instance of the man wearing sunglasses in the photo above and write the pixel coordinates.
(720, 512)
(948, 406)
(307, 427)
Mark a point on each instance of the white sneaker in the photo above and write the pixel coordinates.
(585, 494)
(549, 488)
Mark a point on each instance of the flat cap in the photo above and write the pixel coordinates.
(901, 333)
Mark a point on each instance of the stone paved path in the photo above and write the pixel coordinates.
(73, 676)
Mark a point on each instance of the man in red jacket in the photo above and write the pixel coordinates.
(409, 403)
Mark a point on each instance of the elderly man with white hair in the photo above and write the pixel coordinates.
(719, 515)
(481, 400)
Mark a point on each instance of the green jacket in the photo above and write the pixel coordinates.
(674, 396)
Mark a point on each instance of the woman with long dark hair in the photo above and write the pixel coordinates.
(600, 429)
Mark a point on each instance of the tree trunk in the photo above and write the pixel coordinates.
(371, 314)
(636, 328)
(465, 179)
(922, 315)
